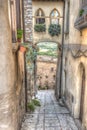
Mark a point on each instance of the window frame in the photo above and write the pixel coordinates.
(37, 17)
(54, 17)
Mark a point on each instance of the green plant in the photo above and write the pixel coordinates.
(40, 27)
(81, 12)
(31, 106)
(19, 33)
(54, 29)
(36, 102)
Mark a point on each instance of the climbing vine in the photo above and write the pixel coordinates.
(31, 55)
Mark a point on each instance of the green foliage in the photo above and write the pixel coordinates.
(54, 29)
(81, 12)
(36, 102)
(47, 49)
(31, 54)
(19, 33)
(40, 28)
(31, 106)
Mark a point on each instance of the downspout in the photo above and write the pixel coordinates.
(60, 90)
(23, 20)
(25, 82)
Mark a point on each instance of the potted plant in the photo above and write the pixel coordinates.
(22, 49)
(19, 35)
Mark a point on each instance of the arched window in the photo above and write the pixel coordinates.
(54, 17)
(40, 17)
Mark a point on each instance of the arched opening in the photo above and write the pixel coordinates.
(46, 65)
(82, 75)
(54, 16)
(40, 16)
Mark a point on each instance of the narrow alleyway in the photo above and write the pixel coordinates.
(50, 116)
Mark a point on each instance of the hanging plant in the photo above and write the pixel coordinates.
(40, 28)
(54, 29)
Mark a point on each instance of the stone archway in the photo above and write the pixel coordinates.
(51, 63)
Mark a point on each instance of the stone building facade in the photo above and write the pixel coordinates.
(12, 67)
(46, 72)
(30, 10)
(46, 14)
(74, 60)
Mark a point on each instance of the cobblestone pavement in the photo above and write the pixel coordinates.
(50, 116)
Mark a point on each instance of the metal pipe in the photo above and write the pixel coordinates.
(60, 90)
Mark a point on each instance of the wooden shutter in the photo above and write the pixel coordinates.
(18, 12)
(13, 20)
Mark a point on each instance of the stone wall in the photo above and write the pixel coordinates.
(12, 75)
(30, 85)
(28, 20)
(46, 72)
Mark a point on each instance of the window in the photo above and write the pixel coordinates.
(54, 17)
(40, 17)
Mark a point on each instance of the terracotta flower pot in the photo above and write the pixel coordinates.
(22, 49)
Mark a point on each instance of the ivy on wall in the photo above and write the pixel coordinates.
(40, 28)
(54, 29)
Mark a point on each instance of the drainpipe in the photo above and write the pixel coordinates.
(23, 20)
(60, 90)
(25, 82)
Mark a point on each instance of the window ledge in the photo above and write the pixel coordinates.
(15, 47)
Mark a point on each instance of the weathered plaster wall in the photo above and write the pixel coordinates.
(19, 89)
(84, 36)
(12, 95)
(44, 6)
(71, 72)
